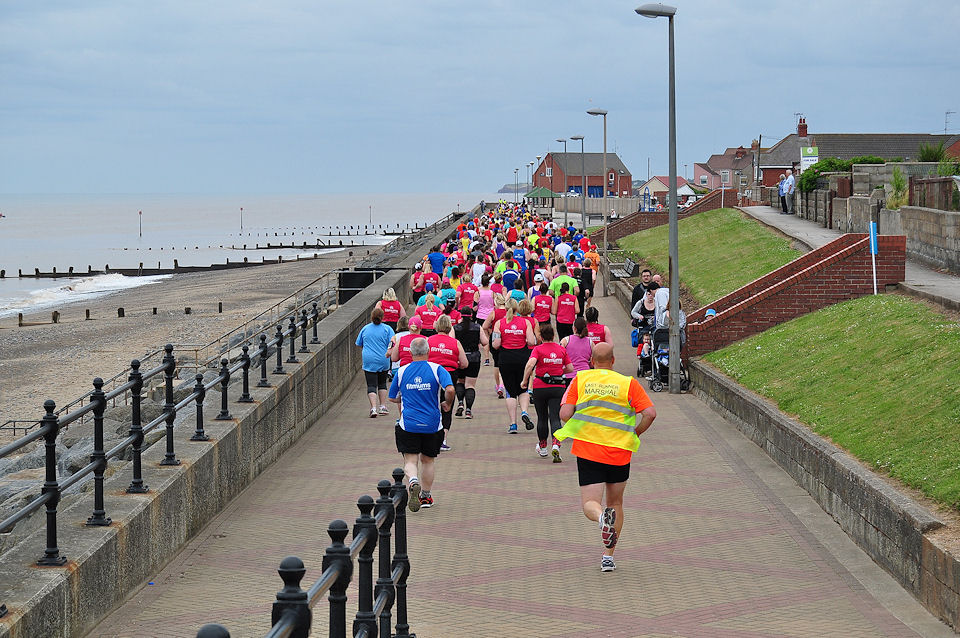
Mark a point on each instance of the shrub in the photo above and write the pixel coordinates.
(948, 166)
(898, 184)
(930, 153)
(808, 179)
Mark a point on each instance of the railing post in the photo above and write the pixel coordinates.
(51, 425)
(136, 429)
(224, 382)
(99, 457)
(337, 552)
(316, 320)
(400, 557)
(201, 392)
(245, 358)
(366, 525)
(293, 339)
(303, 332)
(385, 577)
(279, 369)
(292, 599)
(170, 364)
(263, 383)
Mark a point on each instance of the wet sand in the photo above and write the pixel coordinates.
(60, 361)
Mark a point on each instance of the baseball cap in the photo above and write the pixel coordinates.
(428, 287)
(519, 243)
(415, 322)
(538, 277)
(418, 266)
(711, 312)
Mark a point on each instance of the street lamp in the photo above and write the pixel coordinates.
(664, 11)
(604, 263)
(565, 206)
(583, 178)
(516, 184)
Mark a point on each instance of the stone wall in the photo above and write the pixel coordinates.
(933, 236)
(868, 177)
(105, 564)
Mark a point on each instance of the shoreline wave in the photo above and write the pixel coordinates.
(74, 289)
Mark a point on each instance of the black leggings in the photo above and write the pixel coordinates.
(564, 330)
(512, 363)
(375, 381)
(547, 403)
(446, 418)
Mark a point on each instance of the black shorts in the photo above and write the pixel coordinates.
(472, 371)
(512, 363)
(424, 332)
(375, 380)
(418, 443)
(591, 472)
(392, 324)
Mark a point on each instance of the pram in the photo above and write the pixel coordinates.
(660, 360)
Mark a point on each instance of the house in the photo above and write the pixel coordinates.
(734, 168)
(705, 177)
(561, 173)
(659, 188)
(786, 153)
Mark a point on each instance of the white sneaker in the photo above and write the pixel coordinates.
(542, 451)
(384, 410)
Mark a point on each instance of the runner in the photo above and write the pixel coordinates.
(429, 312)
(513, 337)
(471, 337)
(605, 413)
(597, 331)
(499, 311)
(393, 310)
(485, 306)
(375, 338)
(565, 309)
(547, 364)
(417, 281)
(402, 331)
(400, 350)
(578, 346)
(419, 435)
(446, 351)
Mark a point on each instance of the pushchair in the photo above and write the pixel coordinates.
(661, 362)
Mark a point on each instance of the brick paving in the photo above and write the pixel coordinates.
(717, 541)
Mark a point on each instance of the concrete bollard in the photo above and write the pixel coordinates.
(186, 310)
(120, 313)
(220, 307)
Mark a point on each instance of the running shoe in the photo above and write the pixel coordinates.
(373, 413)
(607, 564)
(468, 414)
(608, 530)
(444, 447)
(501, 392)
(426, 500)
(414, 501)
(527, 421)
(556, 454)
(384, 410)
(542, 450)
(459, 411)
(512, 429)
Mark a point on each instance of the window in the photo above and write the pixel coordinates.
(743, 180)
(611, 177)
(724, 177)
(549, 171)
(703, 180)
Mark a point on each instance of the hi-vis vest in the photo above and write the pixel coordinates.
(603, 414)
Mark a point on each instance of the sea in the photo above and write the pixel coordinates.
(123, 231)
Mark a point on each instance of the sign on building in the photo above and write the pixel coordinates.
(809, 155)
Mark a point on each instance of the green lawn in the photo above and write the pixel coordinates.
(879, 376)
(720, 251)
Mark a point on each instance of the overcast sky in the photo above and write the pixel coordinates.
(311, 96)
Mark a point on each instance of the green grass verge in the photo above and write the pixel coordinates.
(590, 229)
(879, 376)
(720, 251)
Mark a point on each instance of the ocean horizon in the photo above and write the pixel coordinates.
(79, 231)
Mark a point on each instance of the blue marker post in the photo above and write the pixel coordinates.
(873, 253)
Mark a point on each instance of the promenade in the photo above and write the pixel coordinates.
(718, 541)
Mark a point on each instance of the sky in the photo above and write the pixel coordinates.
(381, 96)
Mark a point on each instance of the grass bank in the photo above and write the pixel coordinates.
(720, 251)
(878, 376)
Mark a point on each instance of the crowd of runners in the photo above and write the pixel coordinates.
(513, 292)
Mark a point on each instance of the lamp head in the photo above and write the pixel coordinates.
(576, 138)
(658, 10)
(561, 140)
(597, 112)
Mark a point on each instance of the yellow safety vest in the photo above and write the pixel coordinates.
(604, 414)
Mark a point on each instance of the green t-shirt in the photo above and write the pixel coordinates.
(558, 281)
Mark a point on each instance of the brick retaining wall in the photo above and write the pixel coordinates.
(635, 222)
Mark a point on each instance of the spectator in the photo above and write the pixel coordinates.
(646, 277)
(783, 200)
(788, 188)
(644, 311)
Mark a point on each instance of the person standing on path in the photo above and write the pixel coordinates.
(783, 200)
(417, 388)
(375, 338)
(788, 188)
(547, 364)
(604, 412)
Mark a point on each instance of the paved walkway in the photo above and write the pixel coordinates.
(940, 286)
(718, 540)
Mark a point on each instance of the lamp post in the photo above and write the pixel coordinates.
(583, 178)
(566, 208)
(516, 184)
(241, 218)
(533, 172)
(664, 11)
(604, 263)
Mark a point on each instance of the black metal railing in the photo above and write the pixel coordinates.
(53, 424)
(292, 615)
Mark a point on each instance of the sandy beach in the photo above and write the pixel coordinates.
(60, 361)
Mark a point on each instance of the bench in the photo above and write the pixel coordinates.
(627, 269)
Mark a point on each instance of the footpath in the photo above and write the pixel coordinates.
(718, 541)
(925, 282)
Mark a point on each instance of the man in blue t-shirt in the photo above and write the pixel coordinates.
(422, 389)
(436, 259)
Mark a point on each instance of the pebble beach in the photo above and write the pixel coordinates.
(60, 361)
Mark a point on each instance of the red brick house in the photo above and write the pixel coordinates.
(561, 173)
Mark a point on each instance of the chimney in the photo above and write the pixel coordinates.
(802, 127)
(740, 153)
(754, 145)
